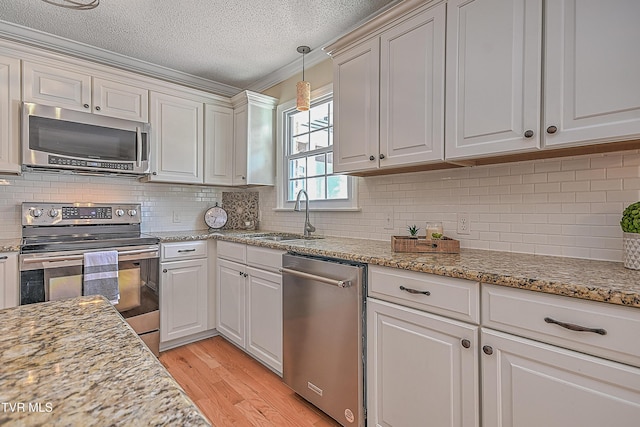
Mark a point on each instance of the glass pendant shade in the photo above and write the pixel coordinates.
(303, 96)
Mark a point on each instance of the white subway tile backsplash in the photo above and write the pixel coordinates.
(562, 207)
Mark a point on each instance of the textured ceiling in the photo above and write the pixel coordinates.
(226, 41)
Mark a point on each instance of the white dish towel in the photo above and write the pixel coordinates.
(101, 275)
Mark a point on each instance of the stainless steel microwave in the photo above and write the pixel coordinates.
(65, 140)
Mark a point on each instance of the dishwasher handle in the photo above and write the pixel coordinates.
(334, 282)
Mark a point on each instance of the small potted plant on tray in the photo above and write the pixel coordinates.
(413, 230)
(630, 224)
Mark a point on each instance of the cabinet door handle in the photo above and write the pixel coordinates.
(3, 257)
(98, 108)
(164, 270)
(382, 156)
(465, 343)
(573, 327)
(528, 134)
(488, 350)
(414, 291)
(552, 129)
(186, 250)
(372, 158)
(86, 105)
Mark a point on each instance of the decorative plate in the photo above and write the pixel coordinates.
(215, 217)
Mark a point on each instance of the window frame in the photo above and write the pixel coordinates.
(349, 204)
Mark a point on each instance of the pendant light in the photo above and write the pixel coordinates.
(75, 4)
(303, 88)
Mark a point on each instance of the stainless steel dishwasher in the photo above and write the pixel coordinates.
(323, 324)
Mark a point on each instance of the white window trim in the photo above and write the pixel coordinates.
(350, 204)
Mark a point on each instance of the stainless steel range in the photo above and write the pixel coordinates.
(55, 239)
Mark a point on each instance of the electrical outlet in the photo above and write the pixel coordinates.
(464, 225)
(177, 218)
(388, 219)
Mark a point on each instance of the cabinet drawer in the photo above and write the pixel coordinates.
(456, 298)
(184, 250)
(232, 251)
(265, 258)
(523, 313)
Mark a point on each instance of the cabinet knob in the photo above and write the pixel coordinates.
(240, 273)
(164, 270)
(488, 350)
(552, 129)
(98, 108)
(381, 156)
(528, 134)
(154, 173)
(372, 158)
(465, 343)
(86, 105)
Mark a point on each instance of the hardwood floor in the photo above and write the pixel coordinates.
(232, 389)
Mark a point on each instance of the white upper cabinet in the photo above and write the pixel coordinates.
(493, 77)
(176, 139)
(592, 65)
(120, 100)
(218, 145)
(389, 94)
(412, 90)
(253, 135)
(356, 103)
(60, 87)
(9, 114)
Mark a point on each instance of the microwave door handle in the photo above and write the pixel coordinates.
(138, 146)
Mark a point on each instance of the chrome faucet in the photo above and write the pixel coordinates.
(308, 228)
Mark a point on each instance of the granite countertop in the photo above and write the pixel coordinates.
(10, 245)
(77, 362)
(602, 281)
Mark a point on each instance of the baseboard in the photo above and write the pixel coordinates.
(168, 345)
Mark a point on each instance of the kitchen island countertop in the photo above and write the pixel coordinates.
(603, 281)
(77, 362)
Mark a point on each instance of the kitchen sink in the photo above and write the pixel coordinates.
(278, 238)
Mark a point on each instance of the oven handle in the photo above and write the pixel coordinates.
(78, 257)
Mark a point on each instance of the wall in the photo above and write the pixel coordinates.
(566, 207)
(159, 201)
(319, 75)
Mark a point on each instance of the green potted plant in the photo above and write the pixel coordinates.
(413, 230)
(630, 224)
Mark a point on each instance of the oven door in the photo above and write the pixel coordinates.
(58, 275)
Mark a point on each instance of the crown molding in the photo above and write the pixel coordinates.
(40, 39)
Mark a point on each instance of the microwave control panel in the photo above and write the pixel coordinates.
(63, 161)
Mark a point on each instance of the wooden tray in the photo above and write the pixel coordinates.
(422, 244)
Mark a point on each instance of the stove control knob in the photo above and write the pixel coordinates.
(36, 213)
(53, 213)
(132, 212)
(119, 212)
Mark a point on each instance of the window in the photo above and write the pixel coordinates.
(308, 157)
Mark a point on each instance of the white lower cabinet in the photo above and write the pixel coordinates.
(183, 291)
(9, 280)
(554, 361)
(249, 300)
(530, 384)
(422, 369)
(231, 301)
